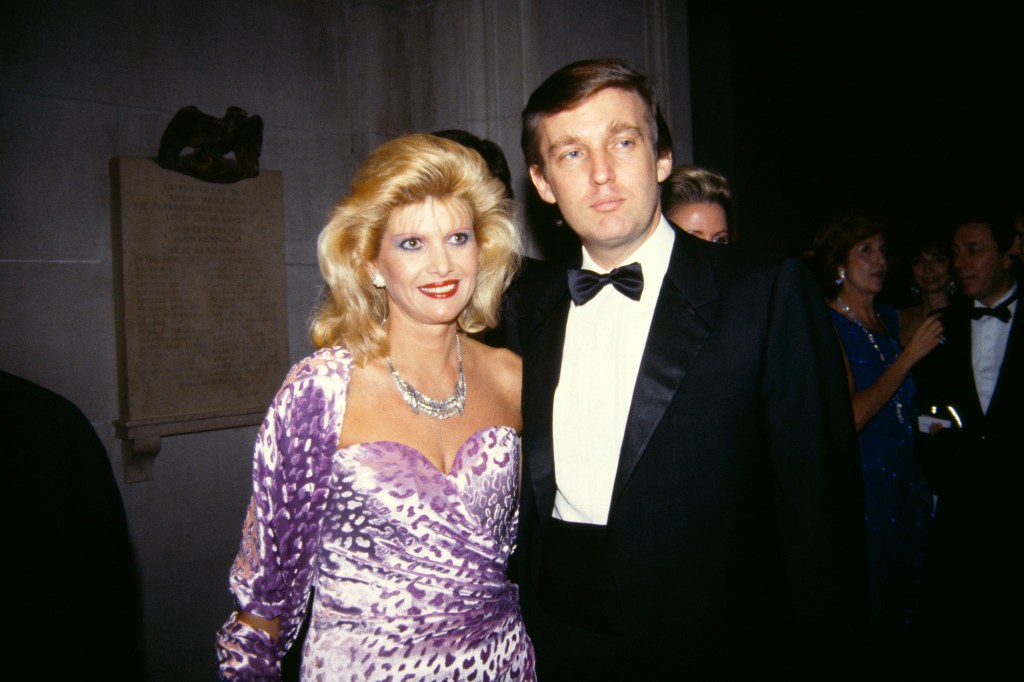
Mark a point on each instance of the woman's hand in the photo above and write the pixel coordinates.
(868, 401)
(924, 340)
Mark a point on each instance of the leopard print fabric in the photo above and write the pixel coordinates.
(407, 564)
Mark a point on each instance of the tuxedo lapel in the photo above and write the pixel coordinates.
(542, 363)
(1011, 374)
(678, 330)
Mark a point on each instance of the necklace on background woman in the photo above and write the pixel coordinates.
(874, 343)
(438, 409)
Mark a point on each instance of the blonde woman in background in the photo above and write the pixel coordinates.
(699, 201)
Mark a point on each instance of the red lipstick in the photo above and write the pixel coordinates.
(445, 289)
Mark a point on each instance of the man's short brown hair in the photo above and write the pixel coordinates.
(568, 87)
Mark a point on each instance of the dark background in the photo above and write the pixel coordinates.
(904, 111)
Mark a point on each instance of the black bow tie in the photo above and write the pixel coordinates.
(1001, 312)
(584, 284)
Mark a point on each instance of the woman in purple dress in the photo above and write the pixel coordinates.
(397, 511)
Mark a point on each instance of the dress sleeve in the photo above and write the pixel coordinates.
(273, 572)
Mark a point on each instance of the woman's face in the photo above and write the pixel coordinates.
(866, 265)
(428, 258)
(931, 271)
(704, 220)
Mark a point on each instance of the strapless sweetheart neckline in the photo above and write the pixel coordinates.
(456, 460)
(406, 565)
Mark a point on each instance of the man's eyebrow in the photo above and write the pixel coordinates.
(614, 128)
(618, 127)
(970, 246)
(566, 140)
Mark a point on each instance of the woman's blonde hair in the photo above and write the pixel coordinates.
(408, 170)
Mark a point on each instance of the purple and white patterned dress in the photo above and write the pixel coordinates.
(407, 564)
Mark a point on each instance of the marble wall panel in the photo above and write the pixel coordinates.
(186, 526)
(304, 287)
(139, 131)
(582, 29)
(379, 88)
(317, 168)
(55, 185)
(67, 49)
(166, 54)
(57, 329)
(278, 60)
(674, 84)
(495, 35)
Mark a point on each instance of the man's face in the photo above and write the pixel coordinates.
(983, 272)
(601, 169)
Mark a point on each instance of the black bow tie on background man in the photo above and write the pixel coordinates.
(584, 284)
(1001, 312)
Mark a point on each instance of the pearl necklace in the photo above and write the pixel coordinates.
(438, 409)
(871, 338)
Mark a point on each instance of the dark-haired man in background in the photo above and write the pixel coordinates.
(692, 502)
(976, 383)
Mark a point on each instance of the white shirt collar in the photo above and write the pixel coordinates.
(653, 256)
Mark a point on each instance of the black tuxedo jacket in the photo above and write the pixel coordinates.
(987, 446)
(974, 566)
(735, 533)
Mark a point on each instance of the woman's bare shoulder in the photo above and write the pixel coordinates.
(500, 361)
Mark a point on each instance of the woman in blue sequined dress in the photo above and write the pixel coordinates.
(898, 505)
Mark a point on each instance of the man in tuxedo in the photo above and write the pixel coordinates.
(692, 500)
(74, 583)
(974, 383)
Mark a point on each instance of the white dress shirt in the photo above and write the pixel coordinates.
(989, 337)
(604, 343)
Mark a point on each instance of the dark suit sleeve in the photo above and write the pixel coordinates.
(506, 334)
(819, 497)
(536, 281)
(76, 599)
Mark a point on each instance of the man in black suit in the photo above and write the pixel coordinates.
(73, 591)
(692, 502)
(975, 384)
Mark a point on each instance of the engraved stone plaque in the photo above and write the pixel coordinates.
(201, 304)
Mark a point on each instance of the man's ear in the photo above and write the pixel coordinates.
(664, 166)
(541, 183)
